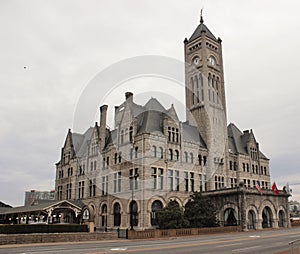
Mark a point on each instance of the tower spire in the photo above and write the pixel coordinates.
(201, 17)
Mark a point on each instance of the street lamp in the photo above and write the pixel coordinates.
(135, 176)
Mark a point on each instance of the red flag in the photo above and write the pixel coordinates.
(274, 189)
(258, 187)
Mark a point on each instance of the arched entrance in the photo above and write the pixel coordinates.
(104, 215)
(230, 218)
(117, 215)
(267, 217)
(251, 219)
(281, 219)
(134, 218)
(156, 206)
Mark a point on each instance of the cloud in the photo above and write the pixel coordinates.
(64, 44)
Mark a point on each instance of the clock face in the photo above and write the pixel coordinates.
(196, 60)
(212, 60)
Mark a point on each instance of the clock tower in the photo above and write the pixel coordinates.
(205, 97)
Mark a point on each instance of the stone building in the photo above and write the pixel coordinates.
(123, 175)
(35, 195)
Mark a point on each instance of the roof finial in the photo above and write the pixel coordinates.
(201, 17)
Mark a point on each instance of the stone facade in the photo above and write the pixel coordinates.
(123, 175)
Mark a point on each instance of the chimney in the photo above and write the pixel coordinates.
(129, 97)
(103, 114)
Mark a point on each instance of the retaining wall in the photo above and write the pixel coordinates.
(56, 237)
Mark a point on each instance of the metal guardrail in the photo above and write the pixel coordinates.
(295, 246)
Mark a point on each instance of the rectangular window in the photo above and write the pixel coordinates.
(133, 178)
(81, 189)
(117, 182)
(92, 188)
(103, 186)
(200, 182)
(205, 182)
(186, 181)
(177, 180)
(59, 192)
(154, 178)
(160, 177)
(192, 181)
(170, 180)
(157, 178)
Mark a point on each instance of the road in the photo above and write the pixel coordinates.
(271, 241)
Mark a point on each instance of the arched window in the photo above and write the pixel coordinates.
(117, 215)
(193, 91)
(160, 153)
(209, 85)
(200, 159)
(116, 158)
(202, 86)
(170, 154)
(92, 166)
(267, 217)
(136, 151)
(131, 134)
(251, 219)
(176, 155)
(281, 219)
(126, 135)
(95, 165)
(153, 151)
(191, 158)
(104, 216)
(230, 218)
(134, 218)
(186, 159)
(156, 206)
(204, 160)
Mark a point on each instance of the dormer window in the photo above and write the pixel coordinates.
(173, 134)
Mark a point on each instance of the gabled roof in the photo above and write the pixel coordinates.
(171, 112)
(40, 207)
(198, 32)
(150, 121)
(85, 138)
(191, 134)
(238, 140)
(154, 105)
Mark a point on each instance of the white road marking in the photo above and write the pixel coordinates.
(116, 249)
(245, 249)
(254, 236)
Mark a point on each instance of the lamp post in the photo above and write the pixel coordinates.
(132, 177)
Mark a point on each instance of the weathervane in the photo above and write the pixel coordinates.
(201, 17)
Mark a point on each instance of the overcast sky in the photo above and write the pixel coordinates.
(51, 50)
